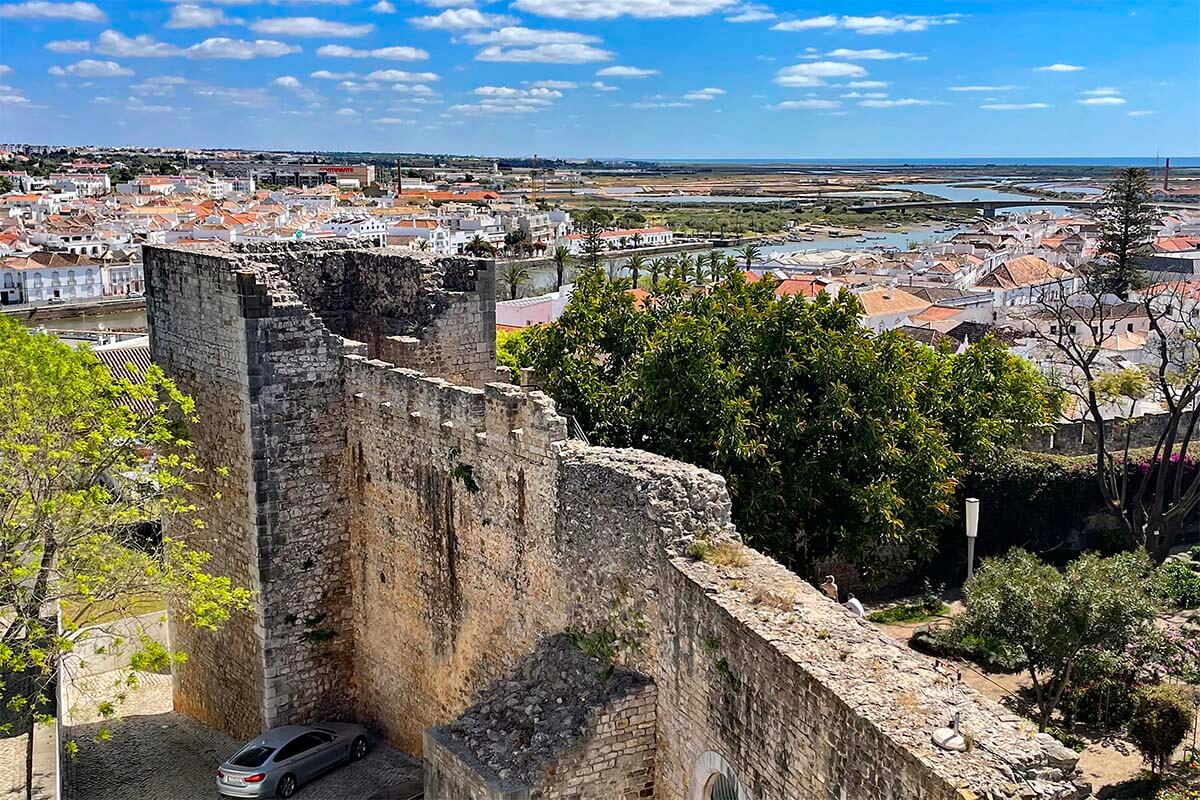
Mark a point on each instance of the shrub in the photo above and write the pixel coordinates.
(953, 641)
(1162, 716)
(1178, 584)
(907, 612)
(725, 553)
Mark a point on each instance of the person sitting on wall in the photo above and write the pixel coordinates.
(855, 607)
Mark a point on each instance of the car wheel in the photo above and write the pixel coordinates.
(358, 749)
(287, 786)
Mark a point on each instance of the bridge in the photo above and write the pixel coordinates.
(989, 207)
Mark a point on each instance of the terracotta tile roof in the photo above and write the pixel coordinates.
(1021, 271)
(1177, 244)
(890, 301)
(808, 287)
(937, 314)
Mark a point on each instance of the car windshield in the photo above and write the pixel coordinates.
(253, 756)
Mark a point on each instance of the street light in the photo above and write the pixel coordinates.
(972, 532)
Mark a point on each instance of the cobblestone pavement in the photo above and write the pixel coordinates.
(156, 754)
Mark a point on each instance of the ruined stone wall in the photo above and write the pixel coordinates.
(198, 335)
(616, 759)
(762, 677)
(1079, 438)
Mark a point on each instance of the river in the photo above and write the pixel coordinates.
(954, 191)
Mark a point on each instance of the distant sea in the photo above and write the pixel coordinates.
(1182, 161)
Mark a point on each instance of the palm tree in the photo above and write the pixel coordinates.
(715, 260)
(422, 245)
(701, 274)
(515, 276)
(750, 253)
(637, 242)
(479, 247)
(658, 266)
(561, 257)
(636, 265)
(728, 267)
(684, 264)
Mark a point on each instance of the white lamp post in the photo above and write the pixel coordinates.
(972, 532)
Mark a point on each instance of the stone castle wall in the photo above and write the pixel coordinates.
(413, 539)
(1079, 438)
(195, 308)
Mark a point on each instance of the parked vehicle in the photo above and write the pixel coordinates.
(279, 761)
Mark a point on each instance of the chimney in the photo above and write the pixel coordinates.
(1167, 175)
(399, 178)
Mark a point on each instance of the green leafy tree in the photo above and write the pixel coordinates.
(512, 349)
(592, 225)
(769, 392)
(1056, 619)
(561, 258)
(515, 276)
(82, 477)
(685, 267)
(1127, 225)
(6, 184)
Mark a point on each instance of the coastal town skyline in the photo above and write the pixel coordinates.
(703, 79)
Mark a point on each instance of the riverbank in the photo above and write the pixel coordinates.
(100, 308)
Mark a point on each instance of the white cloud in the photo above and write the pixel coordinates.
(114, 43)
(626, 72)
(812, 23)
(790, 105)
(11, 97)
(877, 25)
(516, 36)
(401, 76)
(159, 85)
(310, 26)
(1140, 113)
(983, 88)
(239, 49)
(751, 12)
(69, 46)
(36, 9)
(1013, 106)
(383, 7)
(137, 104)
(1058, 68)
(872, 54)
(865, 95)
(489, 106)
(392, 121)
(293, 84)
(1102, 91)
(866, 85)
(242, 98)
(346, 112)
(814, 73)
(710, 93)
(1103, 101)
(601, 86)
(91, 68)
(412, 88)
(397, 53)
(354, 87)
(461, 19)
(187, 15)
(611, 9)
(509, 91)
(901, 23)
(326, 75)
(554, 84)
(903, 101)
(546, 54)
(660, 104)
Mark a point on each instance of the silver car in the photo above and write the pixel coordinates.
(277, 762)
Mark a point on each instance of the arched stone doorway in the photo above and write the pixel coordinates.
(714, 778)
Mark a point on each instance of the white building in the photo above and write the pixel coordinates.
(357, 227)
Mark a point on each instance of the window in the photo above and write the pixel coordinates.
(253, 756)
(721, 787)
(1129, 327)
(298, 745)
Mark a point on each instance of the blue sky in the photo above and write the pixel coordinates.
(609, 78)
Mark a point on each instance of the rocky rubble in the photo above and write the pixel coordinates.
(523, 721)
